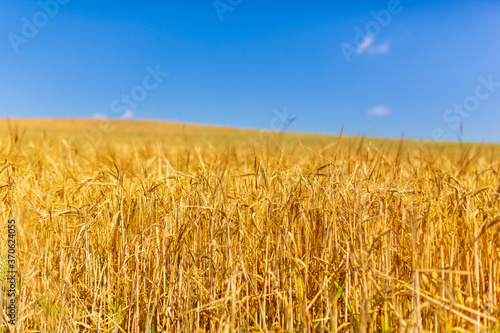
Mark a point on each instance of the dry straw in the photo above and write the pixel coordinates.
(309, 235)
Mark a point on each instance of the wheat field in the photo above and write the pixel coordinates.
(155, 227)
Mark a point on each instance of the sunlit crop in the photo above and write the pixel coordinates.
(184, 230)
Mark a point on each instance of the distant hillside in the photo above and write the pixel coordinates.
(112, 130)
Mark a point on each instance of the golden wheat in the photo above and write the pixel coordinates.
(118, 234)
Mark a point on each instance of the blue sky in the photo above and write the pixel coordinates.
(428, 69)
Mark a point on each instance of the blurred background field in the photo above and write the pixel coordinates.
(143, 131)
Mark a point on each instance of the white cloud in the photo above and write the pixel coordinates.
(129, 114)
(365, 44)
(379, 48)
(368, 45)
(99, 116)
(379, 110)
